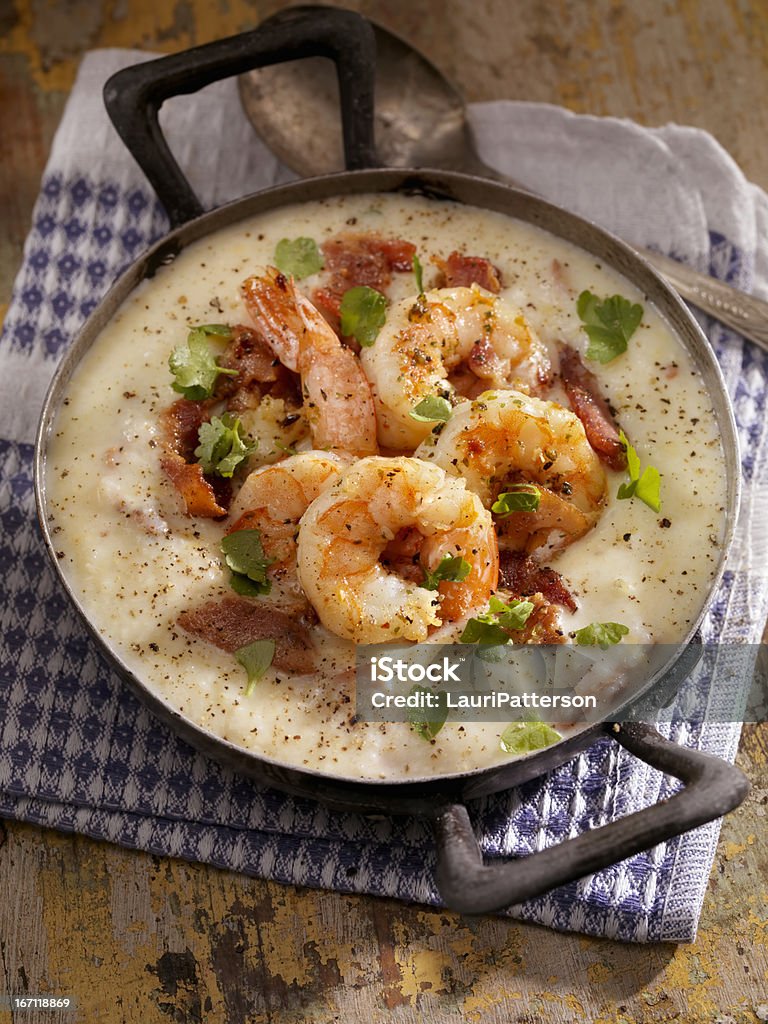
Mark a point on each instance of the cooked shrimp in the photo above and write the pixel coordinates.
(506, 437)
(345, 531)
(337, 395)
(274, 498)
(426, 338)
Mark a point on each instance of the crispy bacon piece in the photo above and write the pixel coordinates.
(197, 493)
(524, 576)
(543, 625)
(462, 271)
(352, 260)
(233, 622)
(180, 423)
(483, 360)
(260, 373)
(586, 401)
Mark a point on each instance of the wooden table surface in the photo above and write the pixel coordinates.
(138, 938)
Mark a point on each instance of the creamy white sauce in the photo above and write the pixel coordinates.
(136, 561)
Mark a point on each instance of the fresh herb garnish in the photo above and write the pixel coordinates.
(244, 554)
(522, 498)
(363, 312)
(609, 324)
(298, 257)
(491, 627)
(451, 568)
(431, 409)
(646, 485)
(194, 365)
(523, 737)
(221, 448)
(601, 634)
(418, 273)
(428, 721)
(255, 659)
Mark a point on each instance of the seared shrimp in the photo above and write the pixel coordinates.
(274, 498)
(345, 531)
(426, 338)
(505, 438)
(337, 395)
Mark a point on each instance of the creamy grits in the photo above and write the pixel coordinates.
(137, 561)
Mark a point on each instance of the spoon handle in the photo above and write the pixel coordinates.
(731, 306)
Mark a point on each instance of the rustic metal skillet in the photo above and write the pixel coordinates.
(712, 786)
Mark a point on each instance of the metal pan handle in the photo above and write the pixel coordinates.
(712, 788)
(134, 95)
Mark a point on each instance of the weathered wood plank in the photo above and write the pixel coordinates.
(137, 938)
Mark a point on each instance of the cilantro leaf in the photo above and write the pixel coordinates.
(522, 498)
(452, 568)
(426, 721)
(255, 659)
(491, 627)
(601, 634)
(244, 554)
(418, 273)
(194, 364)
(523, 737)
(221, 448)
(646, 485)
(363, 312)
(431, 409)
(513, 615)
(609, 324)
(484, 630)
(298, 257)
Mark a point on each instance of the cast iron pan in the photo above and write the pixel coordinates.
(712, 787)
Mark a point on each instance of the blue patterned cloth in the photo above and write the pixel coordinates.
(79, 753)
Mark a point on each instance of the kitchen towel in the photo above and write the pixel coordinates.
(78, 752)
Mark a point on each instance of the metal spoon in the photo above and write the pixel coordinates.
(285, 101)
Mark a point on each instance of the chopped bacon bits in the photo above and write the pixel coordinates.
(583, 392)
(180, 423)
(198, 494)
(354, 260)
(524, 576)
(234, 622)
(543, 624)
(462, 271)
(260, 373)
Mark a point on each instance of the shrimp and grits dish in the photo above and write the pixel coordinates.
(379, 419)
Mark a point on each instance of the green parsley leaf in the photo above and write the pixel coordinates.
(484, 630)
(255, 659)
(609, 324)
(513, 615)
(491, 627)
(221, 448)
(601, 634)
(646, 485)
(194, 364)
(363, 312)
(523, 737)
(244, 554)
(428, 722)
(522, 498)
(418, 273)
(452, 568)
(431, 409)
(298, 257)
